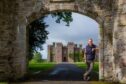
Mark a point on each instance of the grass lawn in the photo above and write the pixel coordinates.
(49, 65)
(82, 65)
(41, 66)
(3, 83)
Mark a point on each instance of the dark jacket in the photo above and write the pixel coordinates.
(90, 55)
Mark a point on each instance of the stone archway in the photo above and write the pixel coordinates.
(23, 12)
(96, 13)
(101, 16)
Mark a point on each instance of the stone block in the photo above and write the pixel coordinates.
(122, 20)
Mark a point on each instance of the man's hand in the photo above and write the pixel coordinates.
(85, 61)
(93, 49)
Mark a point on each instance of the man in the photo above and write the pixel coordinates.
(90, 52)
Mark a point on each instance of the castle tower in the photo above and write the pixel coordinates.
(81, 51)
(80, 46)
(65, 53)
(70, 47)
(50, 53)
(58, 52)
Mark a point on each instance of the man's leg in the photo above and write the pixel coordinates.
(89, 67)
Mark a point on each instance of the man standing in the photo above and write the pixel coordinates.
(90, 52)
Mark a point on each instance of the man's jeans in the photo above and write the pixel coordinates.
(90, 65)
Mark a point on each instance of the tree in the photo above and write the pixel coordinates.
(37, 57)
(63, 16)
(81, 56)
(71, 55)
(76, 57)
(38, 33)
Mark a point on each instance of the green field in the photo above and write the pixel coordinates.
(49, 65)
(41, 66)
(82, 65)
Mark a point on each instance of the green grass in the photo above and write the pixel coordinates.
(40, 66)
(82, 65)
(49, 65)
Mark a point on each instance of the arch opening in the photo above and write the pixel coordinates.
(65, 59)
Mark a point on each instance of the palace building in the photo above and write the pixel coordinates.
(57, 52)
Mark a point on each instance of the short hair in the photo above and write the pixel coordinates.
(90, 39)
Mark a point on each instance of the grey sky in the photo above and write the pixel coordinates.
(79, 31)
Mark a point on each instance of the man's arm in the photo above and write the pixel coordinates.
(96, 51)
(85, 57)
(94, 48)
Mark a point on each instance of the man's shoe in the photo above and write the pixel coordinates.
(85, 78)
(88, 78)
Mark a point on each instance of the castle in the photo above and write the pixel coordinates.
(57, 52)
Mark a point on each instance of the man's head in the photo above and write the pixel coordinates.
(90, 41)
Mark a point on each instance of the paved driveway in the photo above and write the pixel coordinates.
(62, 72)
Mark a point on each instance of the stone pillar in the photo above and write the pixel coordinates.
(106, 55)
(119, 43)
(20, 53)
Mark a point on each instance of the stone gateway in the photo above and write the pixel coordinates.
(16, 15)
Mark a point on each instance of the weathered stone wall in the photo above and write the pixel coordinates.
(119, 43)
(3, 44)
(7, 38)
(17, 14)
